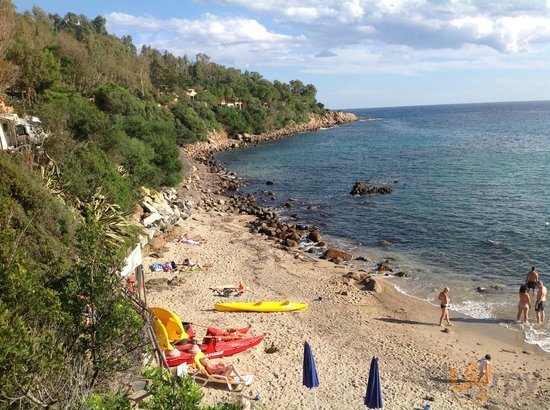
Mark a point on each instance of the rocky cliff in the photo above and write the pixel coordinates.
(222, 141)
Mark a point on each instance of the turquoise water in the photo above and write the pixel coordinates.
(471, 206)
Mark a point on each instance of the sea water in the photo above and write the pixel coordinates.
(470, 207)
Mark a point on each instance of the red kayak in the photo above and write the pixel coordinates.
(225, 334)
(219, 334)
(214, 348)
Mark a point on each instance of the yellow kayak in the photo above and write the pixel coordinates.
(162, 335)
(172, 323)
(280, 306)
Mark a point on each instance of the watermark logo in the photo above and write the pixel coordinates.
(470, 383)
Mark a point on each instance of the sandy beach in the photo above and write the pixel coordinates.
(346, 328)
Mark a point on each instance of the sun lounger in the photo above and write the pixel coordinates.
(229, 290)
(203, 377)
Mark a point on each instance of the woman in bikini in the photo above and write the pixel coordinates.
(524, 303)
(445, 300)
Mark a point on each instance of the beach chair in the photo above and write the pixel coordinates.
(203, 377)
(229, 290)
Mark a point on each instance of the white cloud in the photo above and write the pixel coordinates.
(308, 14)
(504, 25)
(397, 36)
(228, 40)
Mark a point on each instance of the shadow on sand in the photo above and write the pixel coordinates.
(453, 319)
(405, 322)
(485, 321)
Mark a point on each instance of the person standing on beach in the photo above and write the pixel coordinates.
(524, 303)
(541, 300)
(484, 366)
(532, 278)
(445, 300)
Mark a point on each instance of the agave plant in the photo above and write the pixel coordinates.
(122, 171)
(51, 182)
(109, 217)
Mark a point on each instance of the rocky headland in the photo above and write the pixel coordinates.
(220, 141)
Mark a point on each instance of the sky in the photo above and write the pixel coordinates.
(357, 53)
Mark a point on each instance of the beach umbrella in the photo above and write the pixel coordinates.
(310, 378)
(373, 399)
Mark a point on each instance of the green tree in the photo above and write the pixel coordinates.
(8, 70)
(99, 25)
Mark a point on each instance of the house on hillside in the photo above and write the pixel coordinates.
(191, 93)
(231, 103)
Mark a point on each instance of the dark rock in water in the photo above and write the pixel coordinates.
(361, 258)
(288, 205)
(294, 216)
(383, 267)
(385, 242)
(402, 275)
(336, 255)
(269, 182)
(361, 188)
(313, 207)
(315, 236)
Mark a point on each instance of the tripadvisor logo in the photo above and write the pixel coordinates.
(470, 383)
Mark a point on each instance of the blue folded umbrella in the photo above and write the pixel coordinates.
(373, 399)
(310, 378)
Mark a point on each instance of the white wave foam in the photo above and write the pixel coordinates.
(475, 309)
(536, 335)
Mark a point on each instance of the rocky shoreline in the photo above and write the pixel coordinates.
(352, 314)
(162, 215)
(221, 141)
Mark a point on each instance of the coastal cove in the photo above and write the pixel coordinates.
(192, 221)
(469, 208)
(345, 329)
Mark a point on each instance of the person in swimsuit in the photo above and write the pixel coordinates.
(484, 367)
(445, 300)
(532, 278)
(541, 300)
(524, 303)
(219, 368)
(190, 265)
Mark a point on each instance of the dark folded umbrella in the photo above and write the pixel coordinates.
(373, 399)
(310, 378)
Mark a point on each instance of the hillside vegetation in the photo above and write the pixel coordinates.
(109, 106)
(116, 117)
